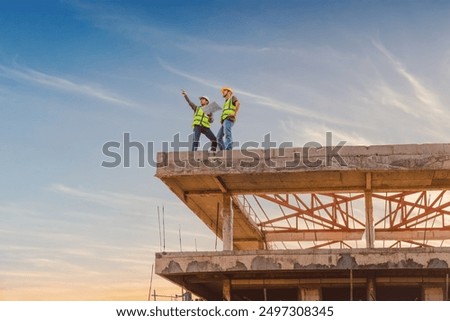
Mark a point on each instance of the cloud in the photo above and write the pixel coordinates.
(114, 19)
(260, 99)
(410, 96)
(316, 132)
(144, 212)
(35, 77)
(147, 33)
(429, 101)
(202, 81)
(41, 247)
(109, 199)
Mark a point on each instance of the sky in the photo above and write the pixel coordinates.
(75, 75)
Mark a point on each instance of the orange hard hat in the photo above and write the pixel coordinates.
(226, 88)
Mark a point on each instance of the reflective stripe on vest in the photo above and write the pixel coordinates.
(228, 109)
(200, 118)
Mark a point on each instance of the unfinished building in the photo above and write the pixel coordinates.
(354, 223)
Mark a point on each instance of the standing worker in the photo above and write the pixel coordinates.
(202, 122)
(228, 118)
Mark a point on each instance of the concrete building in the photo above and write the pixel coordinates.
(326, 223)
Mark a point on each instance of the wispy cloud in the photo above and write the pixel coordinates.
(130, 203)
(148, 33)
(35, 77)
(412, 97)
(103, 198)
(316, 132)
(41, 248)
(197, 46)
(202, 81)
(114, 19)
(428, 100)
(272, 103)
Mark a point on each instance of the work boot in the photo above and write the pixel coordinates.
(213, 148)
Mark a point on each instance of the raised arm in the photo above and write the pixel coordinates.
(193, 106)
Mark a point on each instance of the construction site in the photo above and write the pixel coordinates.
(366, 223)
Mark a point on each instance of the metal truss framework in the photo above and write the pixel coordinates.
(352, 220)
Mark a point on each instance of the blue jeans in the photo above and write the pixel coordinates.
(198, 130)
(225, 129)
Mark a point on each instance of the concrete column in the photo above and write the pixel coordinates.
(370, 238)
(226, 290)
(370, 232)
(227, 222)
(433, 293)
(309, 294)
(371, 293)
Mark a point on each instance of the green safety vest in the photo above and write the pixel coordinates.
(228, 109)
(200, 118)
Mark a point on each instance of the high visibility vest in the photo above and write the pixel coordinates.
(228, 109)
(200, 118)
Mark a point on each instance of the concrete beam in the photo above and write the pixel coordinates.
(302, 260)
(435, 234)
(315, 235)
(350, 158)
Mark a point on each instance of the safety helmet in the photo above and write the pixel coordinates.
(225, 88)
(206, 97)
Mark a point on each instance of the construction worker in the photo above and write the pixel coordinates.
(228, 118)
(201, 122)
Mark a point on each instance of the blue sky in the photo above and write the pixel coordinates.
(77, 74)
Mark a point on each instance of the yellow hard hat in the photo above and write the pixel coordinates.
(226, 88)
